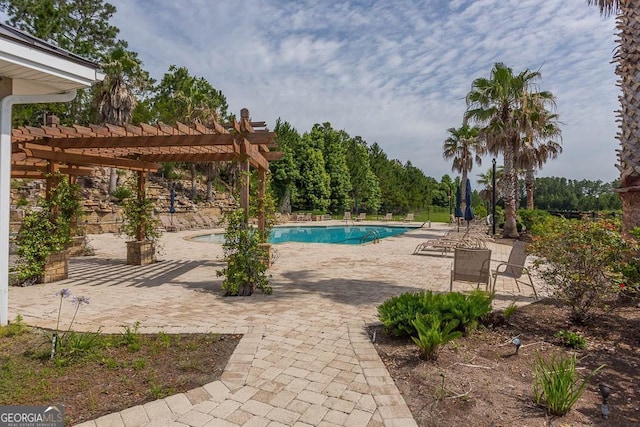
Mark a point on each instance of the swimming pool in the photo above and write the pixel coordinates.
(336, 234)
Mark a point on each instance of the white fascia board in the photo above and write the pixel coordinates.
(34, 59)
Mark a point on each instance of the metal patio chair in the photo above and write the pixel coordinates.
(515, 268)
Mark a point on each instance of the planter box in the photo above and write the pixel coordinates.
(141, 253)
(56, 267)
(78, 246)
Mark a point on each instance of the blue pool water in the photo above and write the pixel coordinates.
(344, 235)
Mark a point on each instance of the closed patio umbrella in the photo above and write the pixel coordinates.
(468, 212)
(172, 207)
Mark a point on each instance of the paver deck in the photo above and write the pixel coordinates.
(306, 357)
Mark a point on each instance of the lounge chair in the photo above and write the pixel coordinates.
(388, 217)
(471, 265)
(201, 221)
(181, 222)
(347, 216)
(408, 218)
(515, 268)
(449, 242)
(362, 216)
(168, 225)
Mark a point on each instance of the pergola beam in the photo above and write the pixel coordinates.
(34, 169)
(162, 141)
(86, 160)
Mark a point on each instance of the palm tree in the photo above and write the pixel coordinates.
(538, 128)
(628, 71)
(464, 147)
(497, 103)
(115, 96)
(486, 181)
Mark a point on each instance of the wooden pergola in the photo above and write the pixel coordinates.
(40, 152)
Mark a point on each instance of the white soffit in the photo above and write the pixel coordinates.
(38, 68)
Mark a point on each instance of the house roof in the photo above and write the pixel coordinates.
(38, 67)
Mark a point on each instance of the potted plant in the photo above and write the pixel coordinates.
(47, 233)
(140, 224)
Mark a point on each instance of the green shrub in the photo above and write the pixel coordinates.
(137, 215)
(580, 261)
(533, 219)
(509, 311)
(480, 211)
(432, 334)
(17, 327)
(556, 385)
(466, 310)
(629, 267)
(398, 313)
(245, 268)
(122, 192)
(47, 229)
(571, 339)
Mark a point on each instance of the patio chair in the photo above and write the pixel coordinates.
(388, 217)
(408, 218)
(471, 265)
(362, 216)
(515, 268)
(347, 216)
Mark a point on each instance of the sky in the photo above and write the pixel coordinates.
(394, 72)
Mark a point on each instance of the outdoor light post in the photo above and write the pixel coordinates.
(493, 197)
(450, 212)
(597, 204)
(605, 392)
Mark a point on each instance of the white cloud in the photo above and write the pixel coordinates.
(395, 73)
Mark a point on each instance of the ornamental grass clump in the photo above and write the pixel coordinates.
(579, 262)
(557, 385)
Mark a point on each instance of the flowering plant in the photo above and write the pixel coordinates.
(57, 338)
(580, 262)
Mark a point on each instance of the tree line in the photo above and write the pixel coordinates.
(323, 169)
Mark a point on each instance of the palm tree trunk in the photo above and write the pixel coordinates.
(113, 180)
(510, 230)
(529, 182)
(194, 191)
(628, 71)
(463, 193)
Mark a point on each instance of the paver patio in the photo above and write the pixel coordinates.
(305, 358)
